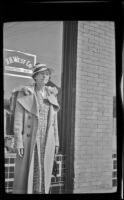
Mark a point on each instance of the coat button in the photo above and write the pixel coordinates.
(28, 135)
(29, 117)
(29, 126)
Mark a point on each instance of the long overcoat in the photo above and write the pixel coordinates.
(25, 130)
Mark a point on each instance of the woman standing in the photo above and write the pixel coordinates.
(36, 134)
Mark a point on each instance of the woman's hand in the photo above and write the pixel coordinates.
(20, 152)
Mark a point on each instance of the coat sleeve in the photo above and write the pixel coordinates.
(18, 126)
(56, 130)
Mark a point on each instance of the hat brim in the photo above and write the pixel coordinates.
(42, 70)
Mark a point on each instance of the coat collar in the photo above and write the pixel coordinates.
(30, 103)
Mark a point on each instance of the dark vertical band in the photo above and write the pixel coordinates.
(68, 99)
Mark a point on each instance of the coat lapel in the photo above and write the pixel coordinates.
(52, 99)
(30, 103)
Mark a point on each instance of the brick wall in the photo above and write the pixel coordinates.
(94, 107)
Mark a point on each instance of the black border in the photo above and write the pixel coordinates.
(28, 11)
(73, 11)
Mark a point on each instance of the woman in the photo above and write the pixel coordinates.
(36, 134)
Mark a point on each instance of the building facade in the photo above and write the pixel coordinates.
(88, 145)
(95, 131)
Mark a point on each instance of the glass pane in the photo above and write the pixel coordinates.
(41, 39)
(25, 44)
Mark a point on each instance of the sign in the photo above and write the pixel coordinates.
(17, 63)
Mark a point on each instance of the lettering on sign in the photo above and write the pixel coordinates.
(16, 59)
(17, 63)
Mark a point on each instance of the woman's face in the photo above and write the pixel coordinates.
(42, 77)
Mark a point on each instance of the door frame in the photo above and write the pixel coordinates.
(69, 63)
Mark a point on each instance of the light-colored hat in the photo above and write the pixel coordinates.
(40, 68)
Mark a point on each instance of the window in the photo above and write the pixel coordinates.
(26, 43)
